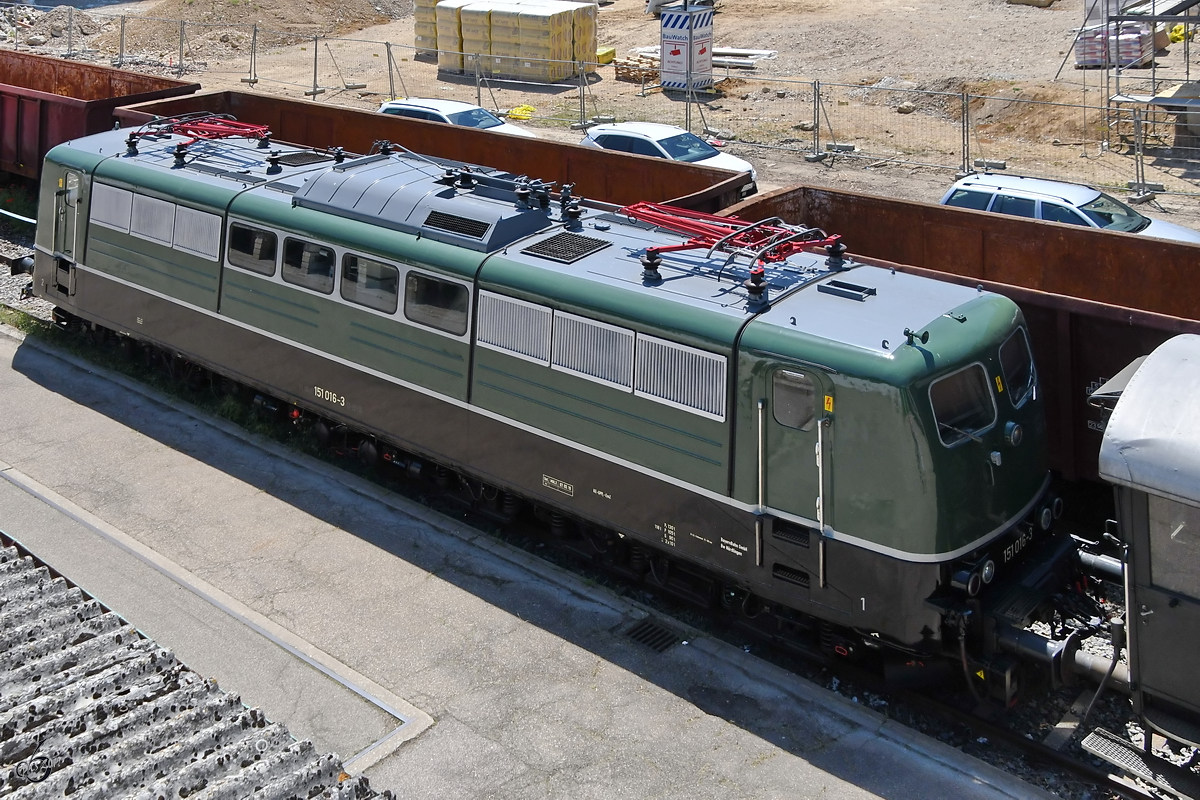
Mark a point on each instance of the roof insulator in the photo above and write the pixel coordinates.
(339, 155)
(448, 177)
(131, 145)
(465, 181)
(573, 213)
(651, 261)
(523, 194)
(836, 251)
(264, 142)
(180, 154)
(756, 285)
(273, 161)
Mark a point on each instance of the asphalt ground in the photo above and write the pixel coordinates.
(439, 661)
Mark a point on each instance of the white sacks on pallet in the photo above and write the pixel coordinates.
(1125, 44)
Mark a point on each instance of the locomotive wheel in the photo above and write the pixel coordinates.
(321, 433)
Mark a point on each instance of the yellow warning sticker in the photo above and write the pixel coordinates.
(980, 675)
(829, 404)
(999, 385)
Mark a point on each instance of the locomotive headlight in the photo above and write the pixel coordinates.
(1057, 507)
(1045, 517)
(988, 571)
(1013, 434)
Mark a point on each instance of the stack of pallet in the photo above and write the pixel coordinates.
(1125, 44)
(536, 40)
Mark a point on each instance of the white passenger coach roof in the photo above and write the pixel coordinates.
(1152, 441)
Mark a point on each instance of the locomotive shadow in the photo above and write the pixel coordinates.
(719, 687)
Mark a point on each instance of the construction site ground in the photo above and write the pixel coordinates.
(1011, 53)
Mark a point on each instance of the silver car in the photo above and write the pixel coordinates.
(1059, 202)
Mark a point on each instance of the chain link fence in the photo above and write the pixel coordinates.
(1125, 145)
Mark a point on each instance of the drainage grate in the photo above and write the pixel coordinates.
(566, 248)
(456, 224)
(653, 635)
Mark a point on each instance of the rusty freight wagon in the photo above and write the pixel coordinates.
(45, 101)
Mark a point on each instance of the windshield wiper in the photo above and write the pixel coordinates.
(970, 436)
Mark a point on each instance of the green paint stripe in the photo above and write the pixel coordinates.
(409, 342)
(276, 298)
(635, 417)
(120, 251)
(272, 311)
(614, 428)
(404, 356)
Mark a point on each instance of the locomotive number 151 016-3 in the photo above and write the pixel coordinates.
(330, 397)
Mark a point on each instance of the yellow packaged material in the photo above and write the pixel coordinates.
(425, 14)
(425, 43)
(545, 18)
(450, 60)
(505, 22)
(428, 30)
(448, 18)
(605, 55)
(477, 47)
(475, 21)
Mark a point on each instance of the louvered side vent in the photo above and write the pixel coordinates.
(453, 223)
(514, 326)
(793, 535)
(681, 376)
(197, 232)
(789, 575)
(111, 206)
(566, 247)
(153, 219)
(593, 350)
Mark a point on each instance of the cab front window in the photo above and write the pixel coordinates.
(962, 405)
(1016, 363)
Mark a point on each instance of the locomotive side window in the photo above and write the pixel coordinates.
(252, 249)
(1175, 546)
(438, 304)
(308, 264)
(1016, 362)
(370, 283)
(962, 404)
(792, 400)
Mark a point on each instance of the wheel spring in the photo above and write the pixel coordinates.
(510, 505)
(639, 559)
(826, 636)
(441, 476)
(558, 524)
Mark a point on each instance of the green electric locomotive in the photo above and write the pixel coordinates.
(847, 449)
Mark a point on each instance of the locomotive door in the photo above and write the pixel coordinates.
(1167, 592)
(794, 420)
(66, 229)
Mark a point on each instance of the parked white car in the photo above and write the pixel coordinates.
(1059, 202)
(452, 112)
(666, 141)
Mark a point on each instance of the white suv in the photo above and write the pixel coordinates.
(1059, 202)
(666, 141)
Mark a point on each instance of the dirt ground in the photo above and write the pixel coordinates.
(990, 47)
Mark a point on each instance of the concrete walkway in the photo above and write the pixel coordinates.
(442, 663)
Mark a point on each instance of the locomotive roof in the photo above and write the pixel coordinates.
(1152, 440)
(855, 305)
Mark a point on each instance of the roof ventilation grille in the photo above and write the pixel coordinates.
(566, 248)
(303, 158)
(453, 223)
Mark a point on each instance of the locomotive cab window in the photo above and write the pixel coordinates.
(962, 405)
(792, 400)
(1016, 363)
(252, 249)
(308, 264)
(438, 304)
(370, 283)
